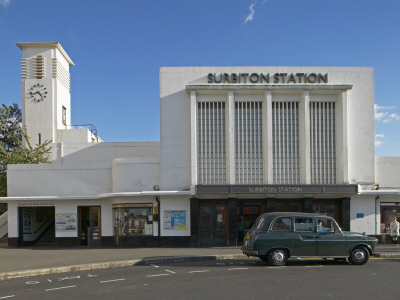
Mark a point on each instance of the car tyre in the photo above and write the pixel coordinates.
(278, 257)
(359, 255)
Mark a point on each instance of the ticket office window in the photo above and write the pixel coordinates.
(133, 220)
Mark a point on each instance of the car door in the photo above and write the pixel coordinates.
(331, 242)
(305, 240)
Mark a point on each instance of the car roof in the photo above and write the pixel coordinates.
(273, 215)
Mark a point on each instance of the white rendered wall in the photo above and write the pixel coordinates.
(387, 170)
(175, 203)
(363, 204)
(74, 136)
(175, 117)
(135, 174)
(59, 180)
(82, 171)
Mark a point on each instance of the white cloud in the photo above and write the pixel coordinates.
(250, 17)
(378, 141)
(5, 3)
(382, 114)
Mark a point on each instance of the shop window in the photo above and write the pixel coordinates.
(133, 219)
(388, 212)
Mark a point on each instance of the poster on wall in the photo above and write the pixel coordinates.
(27, 220)
(174, 219)
(66, 222)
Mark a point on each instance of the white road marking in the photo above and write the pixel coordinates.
(155, 266)
(32, 282)
(277, 267)
(317, 266)
(11, 296)
(112, 280)
(172, 272)
(60, 288)
(157, 275)
(233, 269)
(199, 271)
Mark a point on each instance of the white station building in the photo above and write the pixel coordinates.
(235, 142)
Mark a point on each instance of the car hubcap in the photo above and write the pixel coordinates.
(278, 256)
(359, 255)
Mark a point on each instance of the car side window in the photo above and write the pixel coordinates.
(303, 224)
(260, 223)
(282, 224)
(326, 225)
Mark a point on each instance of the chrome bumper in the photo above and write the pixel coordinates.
(247, 251)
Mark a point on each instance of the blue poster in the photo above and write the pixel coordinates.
(174, 219)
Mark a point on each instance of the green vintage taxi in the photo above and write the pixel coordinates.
(275, 237)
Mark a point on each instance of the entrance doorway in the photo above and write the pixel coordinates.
(89, 225)
(213, 226)
(36, 226)
(247, 215)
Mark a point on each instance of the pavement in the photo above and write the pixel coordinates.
(43, 260)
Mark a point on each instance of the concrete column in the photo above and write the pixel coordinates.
(304, 132)
(230, 139)
(342, 163)
(193, 132)
(267, 138)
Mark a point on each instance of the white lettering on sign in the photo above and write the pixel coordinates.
(279, 189)
(35, 203)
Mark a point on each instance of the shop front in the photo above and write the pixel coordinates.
(389, 210)
(223, 221)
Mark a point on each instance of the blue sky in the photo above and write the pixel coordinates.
(118, 47)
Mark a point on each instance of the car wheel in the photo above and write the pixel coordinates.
(359, 256)
(278, 257)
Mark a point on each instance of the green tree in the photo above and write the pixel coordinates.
(12, 150)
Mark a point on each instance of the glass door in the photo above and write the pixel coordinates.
(89, 225)
(212, 226)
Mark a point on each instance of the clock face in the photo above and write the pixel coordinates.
(37, 93)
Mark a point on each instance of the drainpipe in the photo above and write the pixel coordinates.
(159, 219)
(157, 188)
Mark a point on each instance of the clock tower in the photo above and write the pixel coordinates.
(46, 98)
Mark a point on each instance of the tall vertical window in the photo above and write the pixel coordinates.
(323, 142)
(64, 116)
(248, 143)
(211, 143)
(285, 140)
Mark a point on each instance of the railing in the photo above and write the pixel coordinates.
(91, 128)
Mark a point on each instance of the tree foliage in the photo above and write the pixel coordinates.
(12, 150)
(10, 126)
